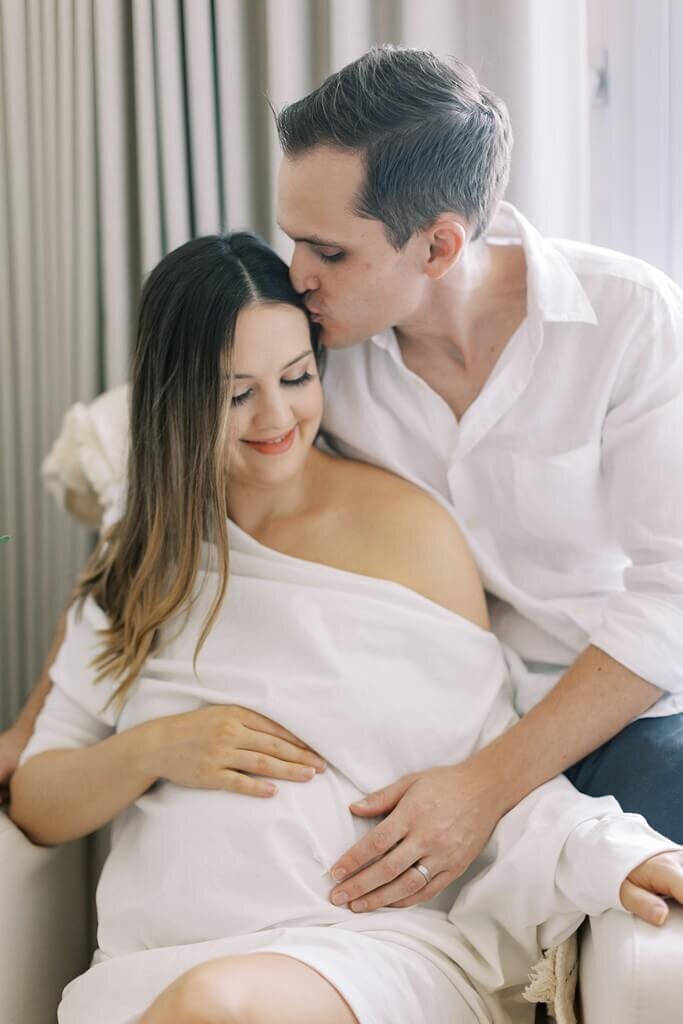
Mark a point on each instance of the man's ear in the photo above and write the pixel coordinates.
(446, 238)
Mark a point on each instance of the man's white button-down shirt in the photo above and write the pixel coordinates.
(566, 473)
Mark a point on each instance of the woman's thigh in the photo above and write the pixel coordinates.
(258, 988)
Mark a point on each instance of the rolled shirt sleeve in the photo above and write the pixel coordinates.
(642, 626)
(555, 857)
(75, 713)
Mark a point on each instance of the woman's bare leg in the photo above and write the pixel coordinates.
(257, 988)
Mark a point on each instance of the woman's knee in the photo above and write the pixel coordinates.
(206, 994)
(250, 989)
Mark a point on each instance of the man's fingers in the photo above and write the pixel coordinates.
(368, 849)
(382, 801)
(428, 892)
(392, 866)
(643, 904)
(408, 889)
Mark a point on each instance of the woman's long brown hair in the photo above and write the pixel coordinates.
(145, 567)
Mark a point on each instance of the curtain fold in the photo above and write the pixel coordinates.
(128, 127)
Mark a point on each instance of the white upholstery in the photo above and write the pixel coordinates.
(630, 972)
(44, 938)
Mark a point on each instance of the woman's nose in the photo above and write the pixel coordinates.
(302, 272)
(273, 409)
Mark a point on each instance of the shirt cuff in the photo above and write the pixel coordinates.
(600, 854)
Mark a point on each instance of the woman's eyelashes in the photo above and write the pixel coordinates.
(295, 382)
(334, 258)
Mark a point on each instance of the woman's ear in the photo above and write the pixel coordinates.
(447, 237)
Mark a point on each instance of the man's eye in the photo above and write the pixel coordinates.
(241, 399)
(334, 258)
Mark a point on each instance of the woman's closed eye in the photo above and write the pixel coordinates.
(293, 382)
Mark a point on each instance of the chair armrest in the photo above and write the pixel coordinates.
(630, 971)
(44, 935)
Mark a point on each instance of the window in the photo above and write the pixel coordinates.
(636, 125)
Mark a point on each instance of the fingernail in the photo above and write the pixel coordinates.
(338, 874)
(271, 789)
(359, 905)
(339, 898)
(658, 915)
(307, 773)
(360, 803)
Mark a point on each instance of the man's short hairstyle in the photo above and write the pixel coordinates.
(431, 138)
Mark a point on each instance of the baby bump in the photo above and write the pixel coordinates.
(188, 865)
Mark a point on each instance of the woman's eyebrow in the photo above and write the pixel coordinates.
(308, 352)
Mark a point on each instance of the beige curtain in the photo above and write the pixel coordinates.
(128, 127)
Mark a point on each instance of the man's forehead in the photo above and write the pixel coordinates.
(316, 193)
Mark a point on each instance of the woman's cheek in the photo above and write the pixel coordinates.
(314, 405)
(236, 430)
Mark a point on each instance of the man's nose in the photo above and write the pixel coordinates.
(302, 272)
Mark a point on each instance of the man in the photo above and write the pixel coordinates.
(535, 389)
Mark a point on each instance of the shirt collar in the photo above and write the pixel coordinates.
(554, 292)
(553, 288)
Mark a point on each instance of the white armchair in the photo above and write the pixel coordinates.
(630, 972)
(45, 933)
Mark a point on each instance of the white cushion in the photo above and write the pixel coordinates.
(631, 972)
(44, 939)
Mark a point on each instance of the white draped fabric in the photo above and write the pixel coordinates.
(126, 129)
(194, 873)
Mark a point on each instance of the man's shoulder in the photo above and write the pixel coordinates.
(617, 271)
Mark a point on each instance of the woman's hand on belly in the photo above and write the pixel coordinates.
(222, 746)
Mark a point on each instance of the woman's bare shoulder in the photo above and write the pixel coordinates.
(397, 531)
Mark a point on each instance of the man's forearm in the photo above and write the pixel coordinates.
(591, 703)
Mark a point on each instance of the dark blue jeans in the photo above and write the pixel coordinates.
(643, 768)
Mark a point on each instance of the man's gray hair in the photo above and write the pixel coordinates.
(431, 138)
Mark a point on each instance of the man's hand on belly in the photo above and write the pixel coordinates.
(440, 818)
(443, 817)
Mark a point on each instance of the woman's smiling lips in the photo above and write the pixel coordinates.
(276, 446)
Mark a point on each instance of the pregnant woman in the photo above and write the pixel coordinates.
(265, 610)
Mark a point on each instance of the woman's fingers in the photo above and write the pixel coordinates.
(282, 749)
(274, 767)
(643, 904)
(236, 782)
(260, 723)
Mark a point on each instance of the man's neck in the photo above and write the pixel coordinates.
(484, 293)
(457, 336)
